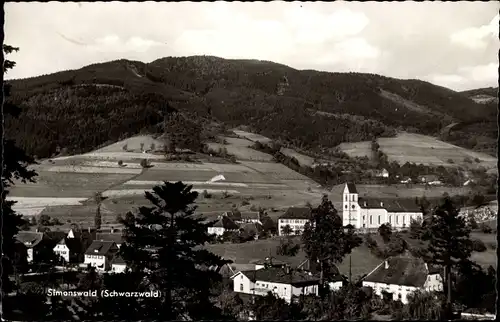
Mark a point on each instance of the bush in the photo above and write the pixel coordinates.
(477, 160)
(486, 229)
(245, 203)
(120, 163)
(144, 163)
(478, 245)
(125, 147)
(468, 160)
(492, 245)
(206, 195)
(253, 208)
(450, 161)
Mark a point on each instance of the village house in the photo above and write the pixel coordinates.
(37, 242)
(402, 275)
(100, 254)
(251, 229)
(246, 217)
(335, 282)
(430, 179)
(70, 249)
(296, 218)
(32, 241)
(224, 224)
(383, 173)
(282, 282)
(118, 265)
(369, 213)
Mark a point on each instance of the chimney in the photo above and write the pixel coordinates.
(89, 229)
(287, 269)
(386, 264)
(365, 203)
(426, 267)
(381, 204)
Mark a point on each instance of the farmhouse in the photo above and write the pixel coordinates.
(283, 283)
(251, 229)
(32, 241)
(295, 218)
(402, 275)
(118, 265)
(224, 224)
(70, 249)
(369, 213)
(335, 282)
(100, 254)
(246, 217)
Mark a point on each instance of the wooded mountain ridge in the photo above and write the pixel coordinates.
(82, 109)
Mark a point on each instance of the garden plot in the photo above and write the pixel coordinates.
(252, 136)
(303, 159)
(357, 149)
(154, 174)
(111, 164)
(241, 152)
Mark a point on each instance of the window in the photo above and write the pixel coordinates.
(241, 287)
(345, 206)
(397, 221)
(379, 219)
(403, 220)
(352, 206)
(296, 221)
(345, 197)
(364, 218)
(390, 221)
(370, 219)
(241, 276)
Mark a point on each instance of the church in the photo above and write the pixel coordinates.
(369, 213)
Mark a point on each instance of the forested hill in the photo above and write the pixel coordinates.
(81, 109)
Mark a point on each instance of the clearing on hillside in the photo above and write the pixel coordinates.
(303, 159)
(241, 152)
(252, 136)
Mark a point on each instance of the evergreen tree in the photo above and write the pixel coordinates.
(325, 239)
(423, 306)
(449, 241)
(14, 167)
(162, 252)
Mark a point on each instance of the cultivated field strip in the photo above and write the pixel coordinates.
(119, 193)
(252, 136)
(27, 211)
(241, 152)
(356, 149)
(33, 202)
(303, 159)
(276, 170)
(203, 184)
(111, 164)
(95, 170)
(123, 156)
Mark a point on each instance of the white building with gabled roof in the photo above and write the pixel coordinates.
(370, 213)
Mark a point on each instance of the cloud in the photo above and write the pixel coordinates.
(481, 73)
(477, 37)
(113, 43)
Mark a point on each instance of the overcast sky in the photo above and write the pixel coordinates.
(452, 44)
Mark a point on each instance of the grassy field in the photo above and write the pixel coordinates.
(241, 152)
(252, 136)
(420, 149)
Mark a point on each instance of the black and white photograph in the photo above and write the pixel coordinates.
(249, 161)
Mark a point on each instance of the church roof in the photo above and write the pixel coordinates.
(391, 205)
(351, 187)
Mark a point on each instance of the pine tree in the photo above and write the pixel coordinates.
(14, 167)
(449, 241)
(325, 239)
(162, 252)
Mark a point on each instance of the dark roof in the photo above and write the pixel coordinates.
(273, 261)
(115, 237)
(297, 213)
(351, 187)
(56, 236)
(29, 238)
(402, 270)
(226, 223)
(84, 234)
(73, 244)
(251, 228)
(100, 248)
(279, 275)
(391, 205)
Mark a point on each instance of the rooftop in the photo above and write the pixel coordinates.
(391, 205)
(401, 270)
(73, 244)
(100, 248)
(29, 238)
(351, 187)
(114, 237)
(297, 213)
(226, 223)
(279, 275)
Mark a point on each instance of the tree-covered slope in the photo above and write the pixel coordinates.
(81, 109)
